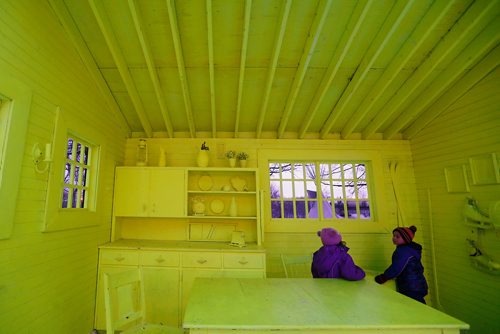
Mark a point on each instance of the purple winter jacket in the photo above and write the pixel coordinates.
(334, 262)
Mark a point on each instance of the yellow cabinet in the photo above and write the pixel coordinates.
(169, 270)
(149, 192)
(244, 265)
(161, 286)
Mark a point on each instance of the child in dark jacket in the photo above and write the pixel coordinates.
(406, 265)
(332, 260)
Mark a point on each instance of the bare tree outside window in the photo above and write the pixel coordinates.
(319, 190)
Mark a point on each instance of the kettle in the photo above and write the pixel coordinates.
(238, 239)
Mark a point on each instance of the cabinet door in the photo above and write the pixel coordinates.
(167, 193)
(131, 192)
(161, 288)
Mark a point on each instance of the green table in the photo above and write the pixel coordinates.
(314, 306)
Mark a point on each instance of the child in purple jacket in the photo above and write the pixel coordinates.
(332, 260)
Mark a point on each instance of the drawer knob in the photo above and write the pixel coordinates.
(201, 261)
(119, 258)
(160, 260)
(242, 261)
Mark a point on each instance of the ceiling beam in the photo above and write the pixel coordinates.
(152, 69)
(121, 64)
(285, 12)
(172, 15)
(243, 60)
(76, 38)
(470, 24)
(211, 69)
(392, 25)
(361, 12)
(476, 50)
(312, 40)
(353, 28)
(423, 31)
(475, 75)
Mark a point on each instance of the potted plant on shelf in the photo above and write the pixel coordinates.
(231, 156)
(242, 157)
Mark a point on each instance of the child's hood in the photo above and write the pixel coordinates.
(413, 248)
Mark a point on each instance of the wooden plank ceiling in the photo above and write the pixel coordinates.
(342, 69)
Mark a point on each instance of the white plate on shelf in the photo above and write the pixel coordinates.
(217, 206)
(205, 182)
(238, 183)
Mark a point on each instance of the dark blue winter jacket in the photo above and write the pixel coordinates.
(407, 268)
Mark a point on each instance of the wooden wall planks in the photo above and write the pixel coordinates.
(47, 280)
(469, 127)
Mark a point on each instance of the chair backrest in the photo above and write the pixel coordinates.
(297, 266)
(123, 299)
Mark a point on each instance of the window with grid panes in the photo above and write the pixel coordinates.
(320, 190)
(76, 174)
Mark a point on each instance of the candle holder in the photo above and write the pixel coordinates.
(41, 156)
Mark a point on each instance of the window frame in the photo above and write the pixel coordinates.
(377, 224)
(88, 185)
(19, 96)
(320, 181)
(58, 218)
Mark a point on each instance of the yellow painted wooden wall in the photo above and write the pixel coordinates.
(47, 280)
(470, 127)
(370, 250)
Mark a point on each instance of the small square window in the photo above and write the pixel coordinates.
(77, 170)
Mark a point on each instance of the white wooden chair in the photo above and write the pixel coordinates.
(297, 266)
(125, 305)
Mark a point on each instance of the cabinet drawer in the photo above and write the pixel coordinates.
(119, 257)
(239, 261)
(201, 260)
(160, 259)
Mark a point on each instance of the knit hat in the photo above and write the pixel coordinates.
(407, 233)
(329, 236)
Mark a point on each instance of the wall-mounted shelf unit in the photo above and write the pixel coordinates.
(153, 201)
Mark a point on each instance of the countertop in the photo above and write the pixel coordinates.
(135, 244)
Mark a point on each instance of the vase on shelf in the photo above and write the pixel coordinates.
(243, 163)
(203, 158)
(232, 162)
(233, 207)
